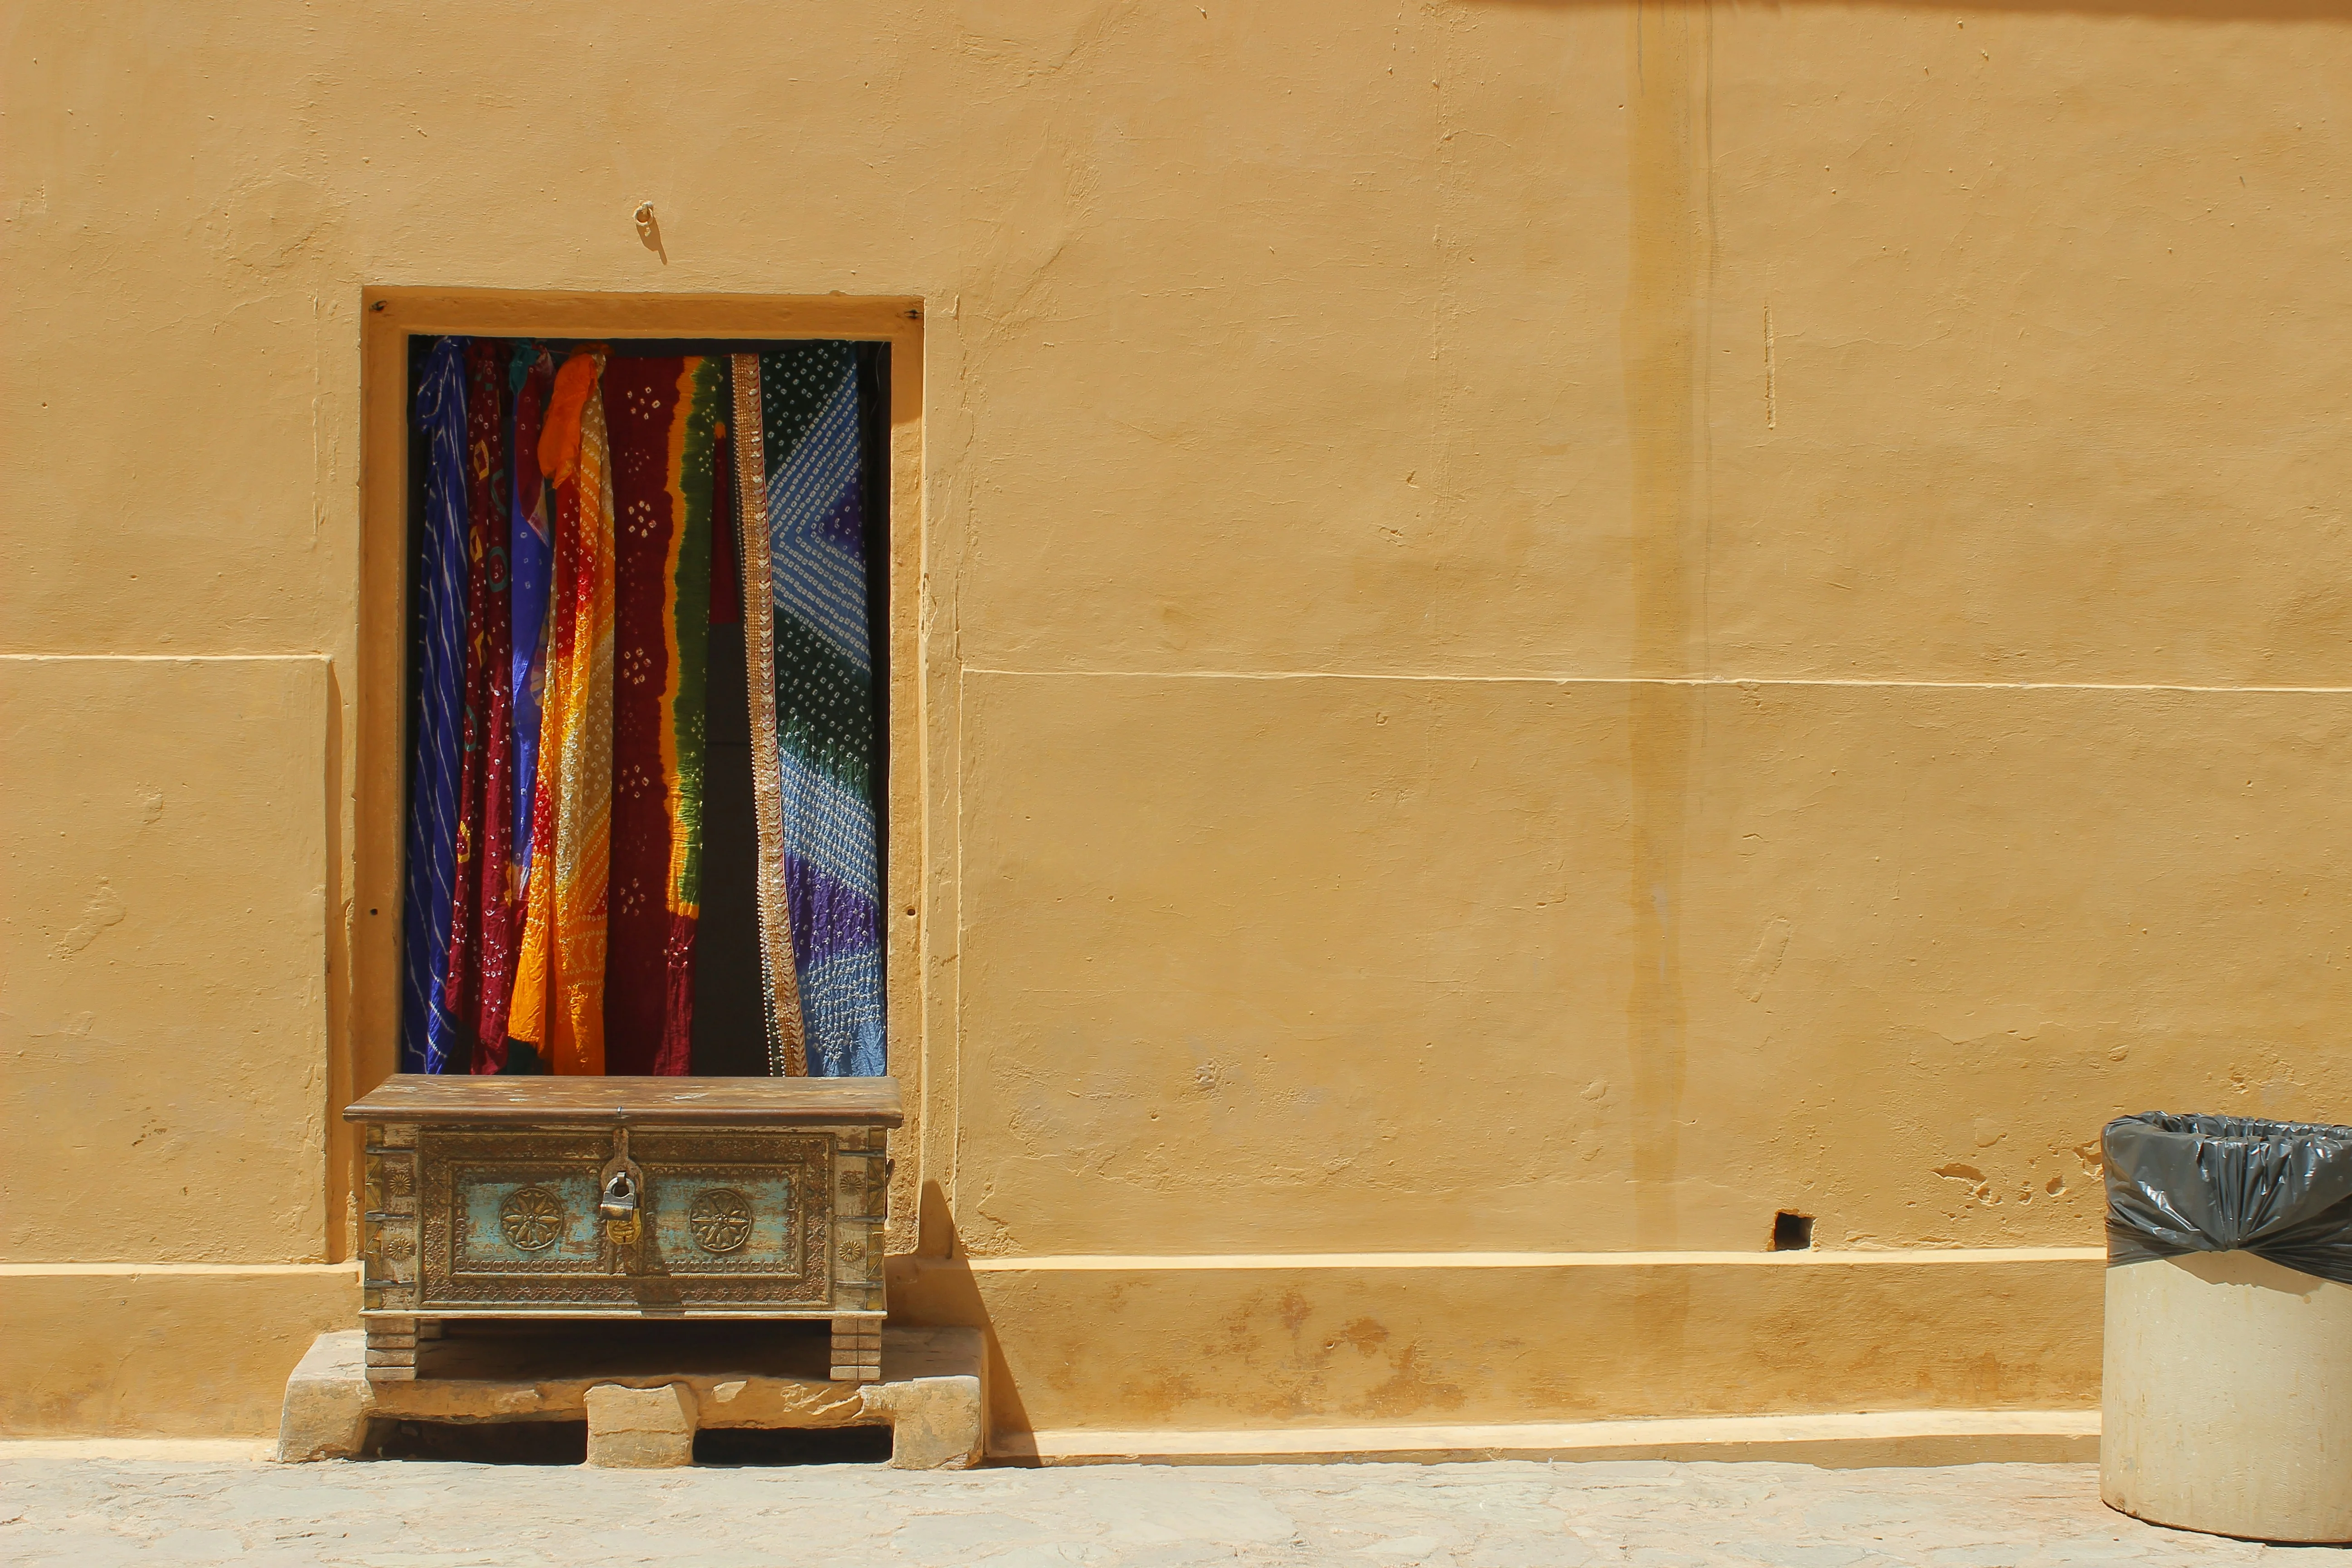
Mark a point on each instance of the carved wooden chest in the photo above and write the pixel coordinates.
(624, 1197)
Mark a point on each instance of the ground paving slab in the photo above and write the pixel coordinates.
(95, 1512)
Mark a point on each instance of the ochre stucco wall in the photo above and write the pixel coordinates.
(1544, 628)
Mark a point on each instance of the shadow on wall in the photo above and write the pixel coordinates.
(928, 1290)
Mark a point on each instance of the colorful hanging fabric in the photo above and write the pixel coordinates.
(559, 993)
(780, 996)
(428, 1035)
(664, 415)
(809, 585)
(480, 938)
(530, 542)
(531, 545)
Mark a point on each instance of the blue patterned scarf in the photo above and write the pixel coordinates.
(825, 707)
(431, 1040)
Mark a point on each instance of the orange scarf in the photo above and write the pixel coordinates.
(559, 995)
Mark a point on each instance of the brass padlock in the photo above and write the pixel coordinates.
(618, 1208)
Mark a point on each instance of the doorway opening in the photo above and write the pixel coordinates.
(647, 683)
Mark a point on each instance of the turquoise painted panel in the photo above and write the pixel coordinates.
(726, 1221)
(528, 1223)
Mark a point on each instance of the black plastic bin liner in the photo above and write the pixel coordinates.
(2280, 1190)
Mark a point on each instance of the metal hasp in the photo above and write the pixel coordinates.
(618, 1208)
(623, 1197)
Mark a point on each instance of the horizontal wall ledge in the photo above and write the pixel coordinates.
(1854, 1441)
(1854, 1259)
(1544, 678)
(216, 657)
(185, 1271)
(1271, 1342)
(161, 1350)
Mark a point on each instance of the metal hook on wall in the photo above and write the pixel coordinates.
(649, 230)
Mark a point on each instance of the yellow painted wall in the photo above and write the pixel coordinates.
(1545, 629)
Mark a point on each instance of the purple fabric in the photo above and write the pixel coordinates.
(430, 1037)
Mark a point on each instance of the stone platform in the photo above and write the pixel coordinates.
(644, 1389)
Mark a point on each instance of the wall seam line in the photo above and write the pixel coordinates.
(1723, 680)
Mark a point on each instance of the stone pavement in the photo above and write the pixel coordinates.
(92, 1514)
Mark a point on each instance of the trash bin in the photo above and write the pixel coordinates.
(2228, 1377)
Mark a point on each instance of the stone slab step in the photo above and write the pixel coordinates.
(663, 1388)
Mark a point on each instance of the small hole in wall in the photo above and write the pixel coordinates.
(1791, 1232)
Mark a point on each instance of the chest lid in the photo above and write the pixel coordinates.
(500, 1100)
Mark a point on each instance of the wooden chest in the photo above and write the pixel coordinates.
(623, 1197)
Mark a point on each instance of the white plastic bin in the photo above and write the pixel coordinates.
(2228, 1376)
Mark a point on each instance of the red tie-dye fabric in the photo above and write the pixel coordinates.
(661, 413)
(481, 946)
